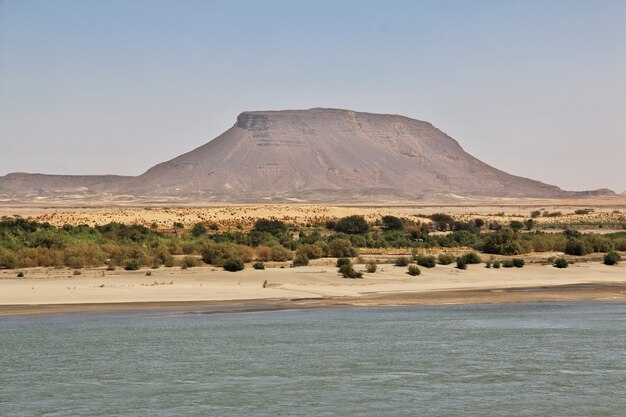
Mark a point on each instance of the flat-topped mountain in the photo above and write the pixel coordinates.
(324, 155)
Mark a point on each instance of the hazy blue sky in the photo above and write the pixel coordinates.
(537, 88)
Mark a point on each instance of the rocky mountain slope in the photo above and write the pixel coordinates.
(320, 155)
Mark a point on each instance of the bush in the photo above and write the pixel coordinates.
(77, 272)
(258, 265)
(264, 253)
(280, 254)
(352, 225)
(516, 225)
(198, 230)
(300, 260)
(20, 275)
(461, 263)
(426, 261)
(518, 262)
(392, 223)
(576, 247)
(488, 264)
(472, 258)
(402, 261)
(413, 270)
(371, 267)
(132, 265)
(7, 260)
(560, 263)
(233, 265)
(343, 261)
(505, 241)
(496, 264)
(597, 243)
(347, 271)
(341, 248)
(310, 251)
(508, 263)
(445, 259)
(189, 262)
(612, 258)
(217, 253)
(274, 227)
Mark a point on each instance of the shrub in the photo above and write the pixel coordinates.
(7, 260)
(233, 265)
(300, 260)
(508, 263)
(560, 263)
(392, 223)
(461, 263)
(612, 258)
(597, 243)
(518, 262)
(516, 225)
(246, 253)
(258, 265)
(445, 259)
(264, 253)
(496, 264)
(280, 254)
(488, 264)
(217, 253)
(442, 221)
(352, 225)
(402, 261)
(189, 262)
(426, 261)
(20, 275)
(341, 248)
(347, 271)
(199, 229)
(413, 270)
(343, 261)
(576, 247)
(274, 227)
(371, 267)
(132, 265)
(311, 251)
(77, 272)
(471, 258)
(505, 241)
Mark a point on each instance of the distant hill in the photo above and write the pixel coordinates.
(20, 184)
(314, 155)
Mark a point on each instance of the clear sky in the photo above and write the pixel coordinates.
(536, 88)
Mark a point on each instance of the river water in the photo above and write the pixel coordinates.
(535, 359)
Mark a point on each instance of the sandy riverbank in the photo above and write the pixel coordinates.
(53, 290)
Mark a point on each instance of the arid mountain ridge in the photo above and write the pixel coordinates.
(315, 155)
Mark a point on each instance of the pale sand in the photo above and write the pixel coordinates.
(312, 286)
(229, 217)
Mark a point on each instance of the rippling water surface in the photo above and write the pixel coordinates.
(558, 359)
